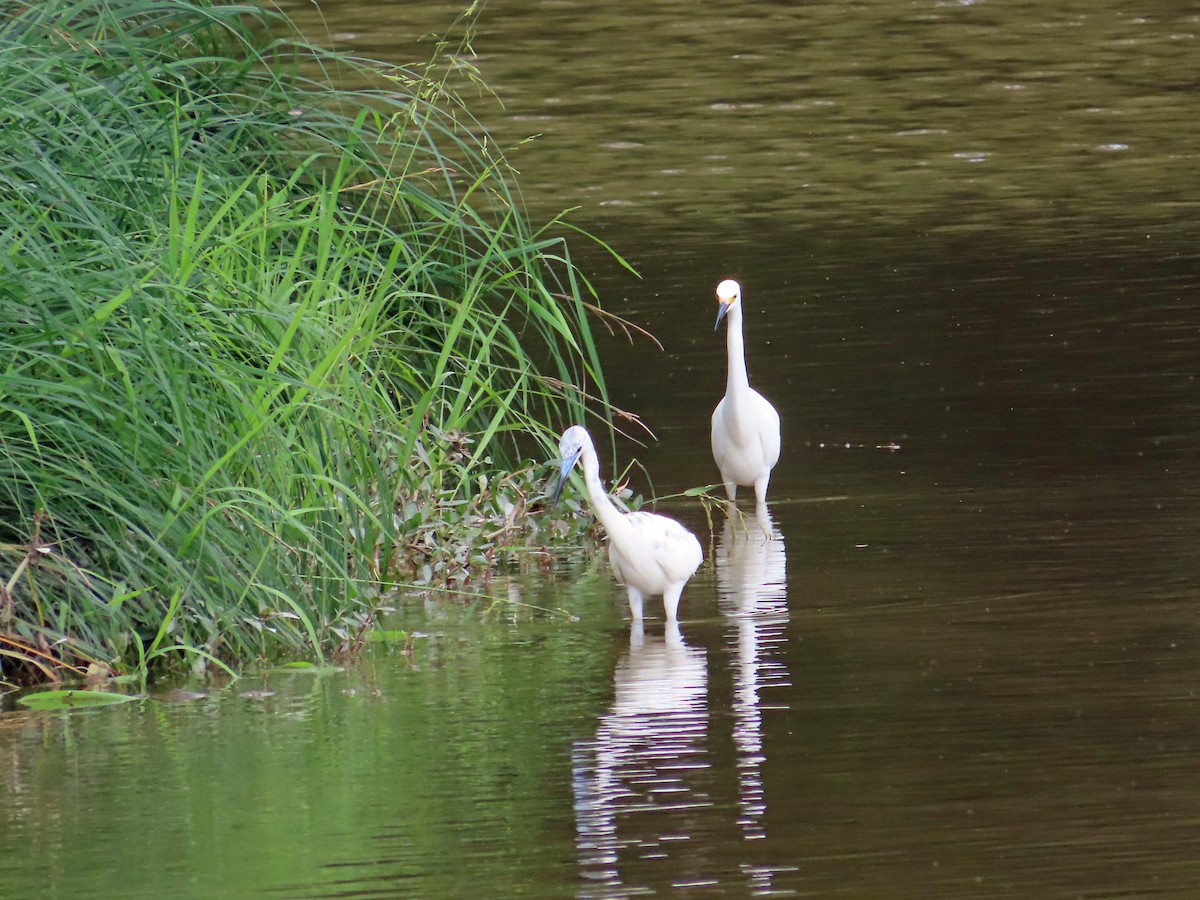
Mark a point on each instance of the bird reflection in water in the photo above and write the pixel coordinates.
(752, 583)
(641, 777)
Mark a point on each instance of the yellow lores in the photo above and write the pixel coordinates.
(745, 426)
(649, 554)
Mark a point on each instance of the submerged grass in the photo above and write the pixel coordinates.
(264, 343)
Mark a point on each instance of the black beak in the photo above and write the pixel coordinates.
(564, 473)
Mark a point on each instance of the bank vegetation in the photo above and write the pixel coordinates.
(268, 346)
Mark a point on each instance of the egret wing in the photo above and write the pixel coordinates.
(666, 553)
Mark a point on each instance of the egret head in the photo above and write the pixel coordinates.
(729, 292)
(570, 446)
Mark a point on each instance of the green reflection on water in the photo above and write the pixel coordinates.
(947, 115)
(295, 783)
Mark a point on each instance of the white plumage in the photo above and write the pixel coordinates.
(650, 554)
(745, 426)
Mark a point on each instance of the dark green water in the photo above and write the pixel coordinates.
(966, 663)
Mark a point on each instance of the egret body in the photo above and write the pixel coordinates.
(649, 554)
(745, 426)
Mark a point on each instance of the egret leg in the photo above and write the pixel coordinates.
(637, 634)
(760, 488)
(672, 634)
(671, 600)
(635, 602)
(731, 490)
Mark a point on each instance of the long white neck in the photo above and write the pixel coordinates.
(737, 382)
(606, 511)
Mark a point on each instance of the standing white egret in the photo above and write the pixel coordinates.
(649, 554)
(745, 426)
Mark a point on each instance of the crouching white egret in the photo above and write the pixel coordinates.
(649, 554)
(745, 426)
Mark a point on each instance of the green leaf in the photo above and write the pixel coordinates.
(389, 635)
(306, 668)
(73, 699)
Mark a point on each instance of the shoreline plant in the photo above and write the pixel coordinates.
(260, 337)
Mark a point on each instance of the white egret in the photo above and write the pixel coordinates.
(745, 426)
(649, 554)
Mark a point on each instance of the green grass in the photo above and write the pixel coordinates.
(266, 345)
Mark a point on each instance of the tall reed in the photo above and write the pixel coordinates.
(255, 332)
